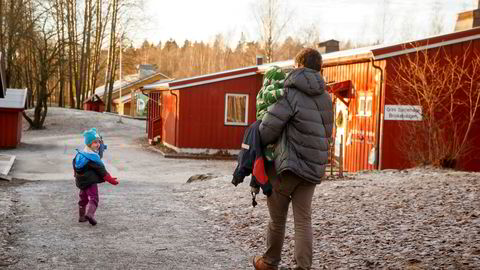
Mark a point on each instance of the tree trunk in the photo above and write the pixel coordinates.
(61, 36)
(111, 58)
(70, 51)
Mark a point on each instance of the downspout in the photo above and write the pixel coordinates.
(378, 132)
(176, 112)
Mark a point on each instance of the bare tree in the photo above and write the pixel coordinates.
(111, 56)
(383, 22)
(272, 17)
(447, 89)
(43, 47)
(310, 35)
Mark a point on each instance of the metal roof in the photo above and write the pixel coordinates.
(383, 51)
(127, 81)
(202, 79)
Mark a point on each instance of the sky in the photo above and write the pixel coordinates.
(357, 20)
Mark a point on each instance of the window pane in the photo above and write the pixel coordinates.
(369, 106)
(236, 109)
(361, 106)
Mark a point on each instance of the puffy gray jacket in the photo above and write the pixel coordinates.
(300, 125)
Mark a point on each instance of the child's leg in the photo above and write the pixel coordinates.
(82, 203)
(92, 193)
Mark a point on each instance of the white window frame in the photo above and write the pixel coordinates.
(226, 110)
(362, 107)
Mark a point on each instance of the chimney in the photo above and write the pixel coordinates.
(468, 19)
(259, 60)
(328, 46)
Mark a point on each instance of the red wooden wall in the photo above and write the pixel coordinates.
(392, 156)
(10, 127)
(202, 113)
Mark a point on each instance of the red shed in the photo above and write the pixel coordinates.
(11, 108)
(369, 132)
(203, 114)
(94, 103)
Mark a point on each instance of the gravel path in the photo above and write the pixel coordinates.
(141, 226)
(413, 219)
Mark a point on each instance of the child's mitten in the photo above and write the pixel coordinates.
(102, 148)
(110, 179)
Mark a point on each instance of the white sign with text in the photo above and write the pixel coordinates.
(403, 112)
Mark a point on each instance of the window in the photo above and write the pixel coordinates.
(236, 109)
(361, 106)
(368, 109)
(364, 105)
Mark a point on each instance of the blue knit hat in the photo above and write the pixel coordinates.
(90, 136)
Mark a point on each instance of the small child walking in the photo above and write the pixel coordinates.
(89, 171)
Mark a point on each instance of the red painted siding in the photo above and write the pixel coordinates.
(392, 157)
(361, 130)
(202, 113)
(11, 128)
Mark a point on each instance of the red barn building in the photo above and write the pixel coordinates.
(368, 131)
(94, 103)
(11, 108)
(203, 114)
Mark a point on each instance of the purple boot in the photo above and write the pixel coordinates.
(90, 216)
(81, 214)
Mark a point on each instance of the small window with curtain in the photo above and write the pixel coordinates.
(236, 109)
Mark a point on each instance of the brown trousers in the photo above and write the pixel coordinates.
(288, 187)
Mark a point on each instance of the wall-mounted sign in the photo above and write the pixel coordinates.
(403, 112)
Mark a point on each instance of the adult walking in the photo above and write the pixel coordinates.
(300, 126)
